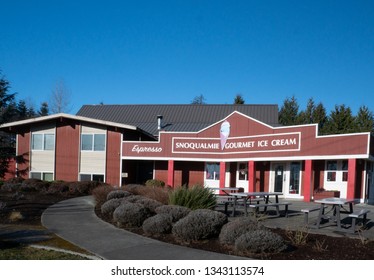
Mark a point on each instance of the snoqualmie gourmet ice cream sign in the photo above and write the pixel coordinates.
(250, 144)
(247, 144)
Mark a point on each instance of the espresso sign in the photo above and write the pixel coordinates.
(250, 144)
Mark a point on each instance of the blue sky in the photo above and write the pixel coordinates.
(168, 52)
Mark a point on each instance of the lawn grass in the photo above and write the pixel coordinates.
(22, 252)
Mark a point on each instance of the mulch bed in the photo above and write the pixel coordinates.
(318, 247)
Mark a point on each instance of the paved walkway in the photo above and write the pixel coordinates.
(75, 220)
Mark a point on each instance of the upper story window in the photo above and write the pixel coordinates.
(43, 142)
(93, 142)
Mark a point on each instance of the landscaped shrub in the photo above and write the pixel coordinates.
(101, 192)
(134, 188)
(130, 214)
(117, 194)
(231, 231)
(196, 197)
(175, 211)
(160, 194)
(151, 204)
(199, 224)
(82, 187)
(155, 183)
(58, 187)
(108, 207)
(13, 184)
(132, 198)
(260, 241)
(158, 224)
(34, 185)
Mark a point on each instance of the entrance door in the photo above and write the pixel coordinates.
(279, 177)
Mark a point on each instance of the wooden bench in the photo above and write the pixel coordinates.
(276, 205)
(355, 215)
(306, 212)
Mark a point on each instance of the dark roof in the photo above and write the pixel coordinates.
(185, 118)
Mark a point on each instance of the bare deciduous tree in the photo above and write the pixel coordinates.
(60, 98)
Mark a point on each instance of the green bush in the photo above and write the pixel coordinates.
(155, 183)
(196, 197)
(260, 241)
(199, 224)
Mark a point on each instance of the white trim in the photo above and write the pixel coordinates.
(67, 116)
(296, 158)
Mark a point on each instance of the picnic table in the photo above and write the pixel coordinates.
(253, 196)
(225, 198)
(337, 205)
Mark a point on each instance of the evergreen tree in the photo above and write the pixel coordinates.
(7, 109)
(239, 99)
(44, 109)
(364, 121)
(340, 121)
(22, 110)
(6, 99)
(288, 114)
(319, 116)
(306, 117)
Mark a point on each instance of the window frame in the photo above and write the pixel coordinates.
(45, 145)
(91, 176)
(94, 138)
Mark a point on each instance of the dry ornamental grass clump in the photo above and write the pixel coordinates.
(199, 224)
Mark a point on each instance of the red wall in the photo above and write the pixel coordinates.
(23, 150)
(113, 161)
(67, 151)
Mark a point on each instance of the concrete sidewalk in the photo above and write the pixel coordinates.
(75, 221)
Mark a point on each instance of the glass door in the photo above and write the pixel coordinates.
(279, 176)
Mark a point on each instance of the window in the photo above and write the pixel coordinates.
(43, 142)
(36, 175)
(345, 170)
(295, 177)
(212, 171)
(93, 142)
(243, 171)
(331, 167)
(45, 176)
(92, 177)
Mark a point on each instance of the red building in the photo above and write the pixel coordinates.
(214, 145)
